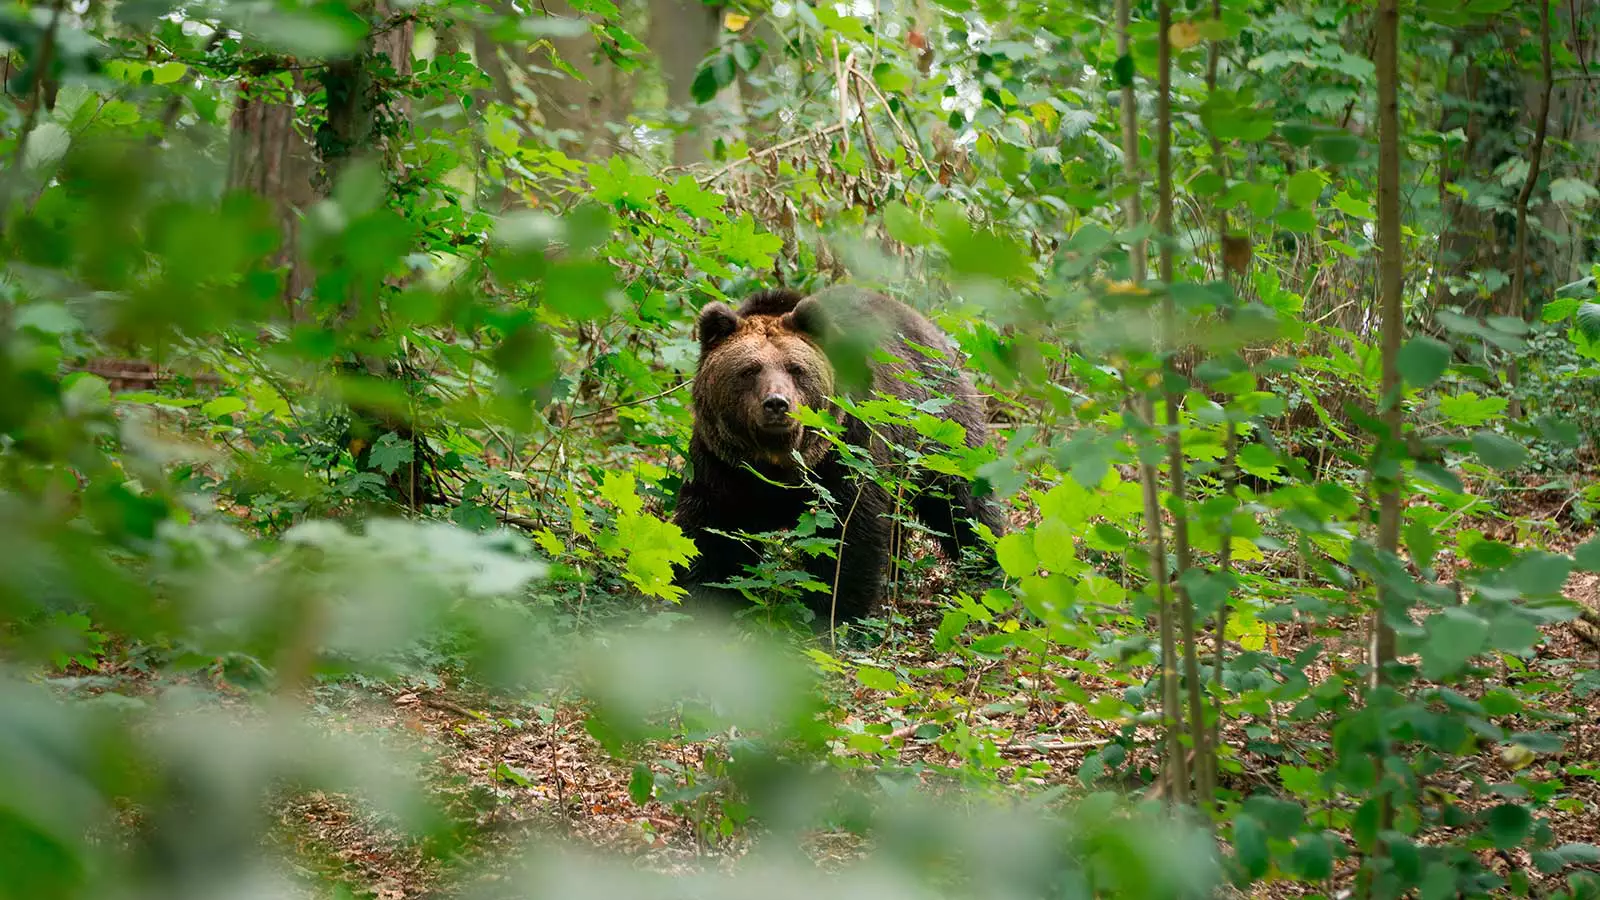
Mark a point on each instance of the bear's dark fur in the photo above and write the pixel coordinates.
(780, 350)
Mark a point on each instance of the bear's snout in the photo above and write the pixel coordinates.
(776, 392)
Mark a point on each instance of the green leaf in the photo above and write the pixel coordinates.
(621, 489)
(1438, 882)
(225, 405)
(581, 289)
(1312, 859)
(891, 78)
(46, 318)
(84, 393)
(1352, 206)
(1092, 769)
(330, 30)
(1559, 431)
(642, 784)
(978, 252)
(1250, 843)
(1423, 360)
(1297, 221)
(1498, 451)
(1421, 543)
(1508, 824)
(1122, 71)
(1207, 184)
(1467, 408)
(904, 226)
(1588, 320)
(1015, 553)
(473, 516)
(516, 776)
(877, 679)
(1490, 554)
(1282, 819)
(624, 181)
(748, 56)
(1304, 187)
(950, 627)
(1261, 198)
(1552, 861)
(1053, 545)
(1344, 248)
(47, 142)
(1338, 149)
(717, 74)
(742, 242)
(1298, 134)
(1087, 457)
(1573, 191)
(1513, 632)
(689, 196)
(1587, 555)
(1557, 310)
(390, 453)
(1454, 637)
(168, 73)
(1439, 476)
(1539, 574)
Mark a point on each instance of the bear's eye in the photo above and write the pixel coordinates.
(797, 371)
(750, 371)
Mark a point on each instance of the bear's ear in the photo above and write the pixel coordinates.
(717, 322)
(808, 318)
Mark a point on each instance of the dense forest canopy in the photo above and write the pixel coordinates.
(346, 353)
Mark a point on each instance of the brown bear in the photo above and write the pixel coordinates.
(781, 350)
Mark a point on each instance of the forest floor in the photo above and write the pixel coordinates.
(549, 778)
(533, 773)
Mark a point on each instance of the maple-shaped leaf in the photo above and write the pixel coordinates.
(390, 453)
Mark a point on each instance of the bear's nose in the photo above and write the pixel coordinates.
(776, 404)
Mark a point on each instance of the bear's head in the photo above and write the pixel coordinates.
(757, 366)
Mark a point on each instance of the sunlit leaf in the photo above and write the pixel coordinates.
(1305, 186)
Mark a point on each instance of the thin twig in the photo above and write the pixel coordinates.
(844, 99)
(905, 139)
(783, 145)
(605, 409)
(861, 108)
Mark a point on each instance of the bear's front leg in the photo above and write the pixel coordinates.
(719, 558)
(855, 575)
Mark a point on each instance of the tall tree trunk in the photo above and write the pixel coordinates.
(1391, 284)
(1485, 103)
(582, 109)
(682, 33)
(1178, 593)
(1575, 118)
(1516, 305)
(362, 111)
(273, 159)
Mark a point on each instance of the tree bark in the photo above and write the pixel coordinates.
(581, 110)
(1486, 106)
(271, 158)
(682, 33)
(1391, 284)
(363, 112)
(1516, 305)
(1575, 118)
